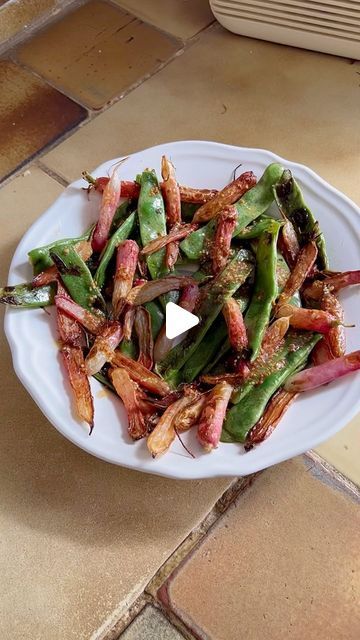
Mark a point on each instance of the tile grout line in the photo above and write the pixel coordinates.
(136, 84)
(172, 564)
(38, 24)
(51, 173)
(11, 55)
(322, 471)
(91, 115)
(236, 489)
(136, 608)
(94, 113)
(178, 623)
(115, 5)
(338, 480)
(184, 41)
(36, 157)
(111, 631)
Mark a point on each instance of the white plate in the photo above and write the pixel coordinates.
(32, 334)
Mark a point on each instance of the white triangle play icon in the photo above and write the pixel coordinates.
(178, 320)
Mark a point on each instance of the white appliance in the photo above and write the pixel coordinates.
(331, 26)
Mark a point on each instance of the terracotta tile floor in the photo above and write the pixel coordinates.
(32, 116)
(282, 563)
(188, 101)
(81, 538)
(107, 50)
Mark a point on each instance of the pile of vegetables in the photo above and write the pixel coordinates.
(271, 325)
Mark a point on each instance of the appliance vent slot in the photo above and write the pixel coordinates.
(282, 8)
(322, 25)
(295, 22)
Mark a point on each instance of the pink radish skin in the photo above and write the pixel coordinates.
(213, 415)
(307, 319)
(109, 203)
(89, 320)
(127, 255)
(323, 373)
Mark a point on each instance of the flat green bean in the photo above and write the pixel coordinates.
(282, 271)
(129, 349)
(255, 230)
(282, 274)
(157, 317)
(77, 278)
(40, 257)
(212, 299)
(224, 347)
(265, 288)
(27, 296)
(122, 233)
(206, 351)
(121, 213)
(188, 210)
(152, 221)
(292, 205)
(100, 377)
(252, 204)
(243, 416)
(261, 372)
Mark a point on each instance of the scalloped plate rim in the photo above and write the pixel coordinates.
(215, 467)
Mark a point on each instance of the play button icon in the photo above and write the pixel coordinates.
(178, 320)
